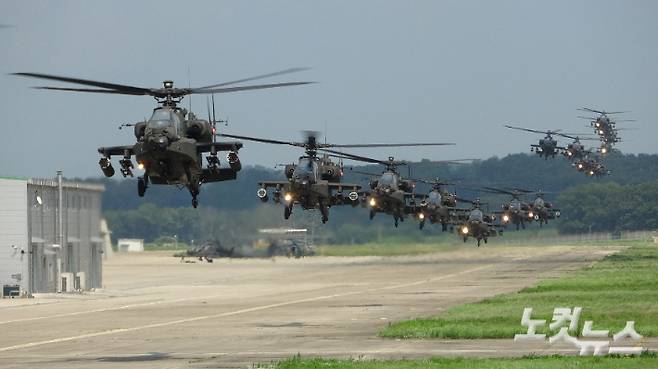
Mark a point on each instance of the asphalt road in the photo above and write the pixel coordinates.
(156, 312)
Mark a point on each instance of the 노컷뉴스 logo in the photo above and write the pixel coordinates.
(587, 343)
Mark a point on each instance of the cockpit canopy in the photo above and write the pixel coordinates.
(389, 180)
(434, 198)
(306, 170)
(165, 119)
(476, 215)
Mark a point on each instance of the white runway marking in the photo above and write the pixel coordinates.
(235, 312)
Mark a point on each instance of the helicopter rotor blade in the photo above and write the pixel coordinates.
(273, 74)
(389, 145)
(526, 129)
(602, 111)
(111, 87)
(263, 140)
(355, 157)
(245, 88)
(92, 90)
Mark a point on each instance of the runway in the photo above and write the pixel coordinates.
(156, 312)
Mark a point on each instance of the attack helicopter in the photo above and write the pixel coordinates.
(438, 206)
(592, 166)
(604, 126)
(170, 144)
(547, 146)
(542, 210)
(315, 181)
(477, 224)
(514, 211)
(390, 193)
(576, 150)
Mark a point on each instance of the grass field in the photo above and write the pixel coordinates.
(621, 287)
(540, 362)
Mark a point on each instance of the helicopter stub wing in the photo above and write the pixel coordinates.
(219, 146)
(116, 150)
(268, 184)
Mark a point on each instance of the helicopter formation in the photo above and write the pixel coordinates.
(170, 145)
(585, 160)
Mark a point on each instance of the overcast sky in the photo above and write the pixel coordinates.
(388, 71)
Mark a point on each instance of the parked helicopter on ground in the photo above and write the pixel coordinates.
(170, 144)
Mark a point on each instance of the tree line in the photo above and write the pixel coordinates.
(625, 200)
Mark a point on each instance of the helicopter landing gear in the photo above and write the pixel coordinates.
(479, 242)
(421, 224)
(444, 227)
(287, 210)
(464, 239)
(396, 220)
(324, 211)
(194, 191)
(372, 214)
(142, 185)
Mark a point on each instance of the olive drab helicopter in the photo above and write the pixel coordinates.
(477, 224)
(515, 210)
(438, 205)
(605, 127)
(542, 210)
(389, 192)
(170, 144)
(315, 181)
(576, 150)
(591, 165)
(547, 146)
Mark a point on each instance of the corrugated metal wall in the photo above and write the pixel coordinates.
(29, 220)
(13, 233)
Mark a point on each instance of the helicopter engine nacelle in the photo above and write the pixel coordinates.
(331, 173)
(290, 170)
(140, 129)
(262, 194)
(234, 161)
(374, 183)
(198, 129)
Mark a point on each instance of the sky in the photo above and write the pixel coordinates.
(387, 71)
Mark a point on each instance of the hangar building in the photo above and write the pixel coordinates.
(43, 249)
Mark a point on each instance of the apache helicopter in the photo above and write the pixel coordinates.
(514, 211)
(438, 206)
(477, 224)
(592, 166)
(315, 182)
(170, 144)
(604, 126)
(576, 150)
(542, 210)
(390, 193)
(547, 146)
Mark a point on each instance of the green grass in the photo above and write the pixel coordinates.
(647, 360)
(621, 287)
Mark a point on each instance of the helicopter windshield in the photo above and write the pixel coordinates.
(539, 202)
(476, 215)
(388, 179)
(515, 205)
(306, 170)
(434, 198)
(164, 118)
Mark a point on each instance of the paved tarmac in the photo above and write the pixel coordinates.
(156, 312)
